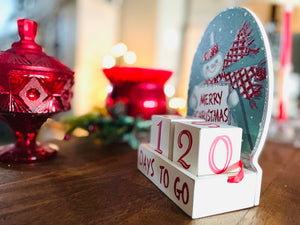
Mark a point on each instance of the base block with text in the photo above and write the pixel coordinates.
(197, 196)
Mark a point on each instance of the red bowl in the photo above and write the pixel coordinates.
(119, 75)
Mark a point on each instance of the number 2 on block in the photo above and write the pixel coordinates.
(159, 138)
(190, 142)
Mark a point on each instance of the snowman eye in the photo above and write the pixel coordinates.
(207, 67)
(216, 61)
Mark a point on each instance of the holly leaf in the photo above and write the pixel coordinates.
(131, 140)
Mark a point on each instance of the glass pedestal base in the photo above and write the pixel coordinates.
(12, 154)
(25, 150)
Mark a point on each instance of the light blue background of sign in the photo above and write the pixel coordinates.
(225, 26)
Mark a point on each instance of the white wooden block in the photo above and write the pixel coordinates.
(206, 148)
(197, 196)
(162, 132)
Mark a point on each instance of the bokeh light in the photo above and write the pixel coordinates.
(150, 104)
(169, 90)
(118, 49)
(109, 61)
(109, 89)
(177, 103)
(130, 57)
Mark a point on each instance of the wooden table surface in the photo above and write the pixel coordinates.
(88, 183)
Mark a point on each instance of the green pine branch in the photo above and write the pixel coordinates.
(108, 129)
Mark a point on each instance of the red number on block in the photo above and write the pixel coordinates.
(190, 142)
(159, 138)
(211, 160)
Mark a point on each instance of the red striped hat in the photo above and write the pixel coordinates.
(211, 52)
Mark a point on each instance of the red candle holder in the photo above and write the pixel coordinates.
(140, 89)
(33, 87)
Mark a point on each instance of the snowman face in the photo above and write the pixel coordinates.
(213, 67)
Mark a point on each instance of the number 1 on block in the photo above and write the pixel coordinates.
(159, 138)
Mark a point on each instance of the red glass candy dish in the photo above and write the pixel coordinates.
(33, 87)
(140, 89)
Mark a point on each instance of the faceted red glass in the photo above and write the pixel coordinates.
(33, 94)
(33, 87)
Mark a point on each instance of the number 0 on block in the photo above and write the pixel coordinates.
(206, 148)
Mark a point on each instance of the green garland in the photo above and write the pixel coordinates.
(109, 128)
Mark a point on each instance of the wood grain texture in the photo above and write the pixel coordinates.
(89, 183)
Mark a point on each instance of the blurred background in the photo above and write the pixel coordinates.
(88, 35)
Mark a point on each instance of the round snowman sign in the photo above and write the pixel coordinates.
(231, 79)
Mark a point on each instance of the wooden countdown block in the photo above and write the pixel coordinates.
(231, 82)
(206, 148)
(197, 196)
(162, 132)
